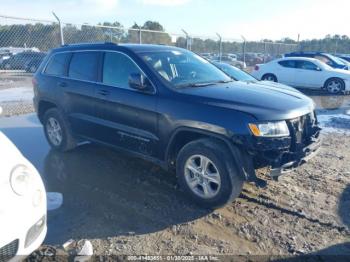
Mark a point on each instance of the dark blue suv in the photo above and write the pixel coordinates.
(329, 59)
(170, 106)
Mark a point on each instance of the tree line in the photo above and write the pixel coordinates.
(47, 36)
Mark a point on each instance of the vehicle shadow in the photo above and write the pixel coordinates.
(107, 194)
(339, 252)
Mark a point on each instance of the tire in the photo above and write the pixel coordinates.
(57, 131)
(230, 181)
(334, 86)
(269, 77)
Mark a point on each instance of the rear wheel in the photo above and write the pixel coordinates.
(57, 131)
(334, 85)
(269, 77)
(207, 174)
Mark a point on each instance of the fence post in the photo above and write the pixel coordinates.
(140, 35)
(61, 29)
(244, 47)
(264, 52)
(220, 46)
(187, 39)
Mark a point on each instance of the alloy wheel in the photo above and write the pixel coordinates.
(334, 86)
(202, 176)
(54, 131)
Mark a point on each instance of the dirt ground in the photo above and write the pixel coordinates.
(136, 208)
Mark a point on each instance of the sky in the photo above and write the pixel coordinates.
(253, 19)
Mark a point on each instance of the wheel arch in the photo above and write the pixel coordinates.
(43, 106)
(184, 135)
(272, 74)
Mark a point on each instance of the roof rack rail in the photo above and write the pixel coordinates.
(91, 43)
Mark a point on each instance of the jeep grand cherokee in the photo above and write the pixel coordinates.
(170, 106)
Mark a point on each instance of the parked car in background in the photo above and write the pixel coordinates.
(240, 75)
(233, 56)
(305, 73)
(207, 55)
(343, 56)
(4, 56)
(32, 65)
(329, 59)
(229, 60)
(173, 107)
(22, 205)
(250, 59)
(19, 61)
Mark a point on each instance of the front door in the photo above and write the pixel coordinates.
(128, 117)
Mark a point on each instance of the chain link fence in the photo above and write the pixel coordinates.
(24, 42)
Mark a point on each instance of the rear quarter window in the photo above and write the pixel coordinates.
(57, 64)
(84, 66)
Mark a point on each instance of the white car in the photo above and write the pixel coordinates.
(304, 72)
(22, 204)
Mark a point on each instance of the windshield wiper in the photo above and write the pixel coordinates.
(224, 81)
(204, 84)
(195, 85)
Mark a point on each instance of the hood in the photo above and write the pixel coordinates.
(264, 101)
(341, 72)
(278, 85)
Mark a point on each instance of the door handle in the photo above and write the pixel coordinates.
(62, 84)
(103, 92)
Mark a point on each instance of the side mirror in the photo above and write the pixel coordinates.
(318, 69)
(139, 82)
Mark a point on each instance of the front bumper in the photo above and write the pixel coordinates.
(296, 158)
(23, 242)
(284, 154)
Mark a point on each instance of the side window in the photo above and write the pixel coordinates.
(117, 68)
(57, 64)
(83, 66)
(287, 63)
(306, 65)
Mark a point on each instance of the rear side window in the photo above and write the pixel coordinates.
(83, 66)
(287, 63)
(306, 65)
(57, 64)
(117, 68)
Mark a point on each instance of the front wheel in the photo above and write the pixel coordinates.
(207, 173)
(334, 86)
(269, 77)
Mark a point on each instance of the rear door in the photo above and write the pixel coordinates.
(308, 75)
(128, 117)
(79, 91)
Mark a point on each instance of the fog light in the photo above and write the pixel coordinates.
(35, 231)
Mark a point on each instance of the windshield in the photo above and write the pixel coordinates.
(182, 68)
(235, 73)
(336, 59)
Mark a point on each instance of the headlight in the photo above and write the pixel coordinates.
(21, 180)
(270, 129)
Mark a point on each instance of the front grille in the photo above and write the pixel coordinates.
(9, 251)
(301, 129)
